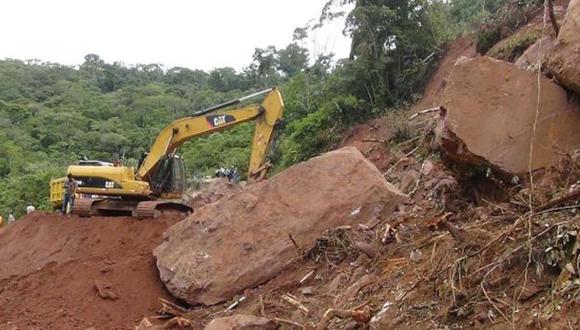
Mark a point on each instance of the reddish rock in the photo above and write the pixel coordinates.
(529, 59)
(565, 57)
(490, 107)
(250, 238)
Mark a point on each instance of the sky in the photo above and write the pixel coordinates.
(194, 34)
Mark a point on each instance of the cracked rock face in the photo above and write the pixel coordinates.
(489, 113)
(247, 238)
(564, 59)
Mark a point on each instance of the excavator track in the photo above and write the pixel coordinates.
(146, 210)
(153, 209)
(83, 207)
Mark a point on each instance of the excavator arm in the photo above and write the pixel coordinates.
(267, 116)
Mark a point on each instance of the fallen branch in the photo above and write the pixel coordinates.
(294, 302)
(298, 249)
(389, 234)
(307, 276)
(401, 159)
(178, 322)
(229, 308)
(279, 320)
(492, 303)
(495, 264)
(169, 308)
(373, 141)
(411, 289)
(426, 59)
(408, 141)
(357, 315)
(235, 304)
(415, 115)
(262, 307)
(562, 208)
(561, 200)
(416, 187)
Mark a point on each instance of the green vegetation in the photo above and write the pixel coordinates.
(52, 115)
(509, 16)
(514, 46)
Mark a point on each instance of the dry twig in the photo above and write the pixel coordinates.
(575, 194)
(401, 159)
(373, 141)
(415, 115)
(292, 323)
(363, 316)
(294, 301)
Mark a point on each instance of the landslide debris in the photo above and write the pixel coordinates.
(490, 109)
(250, 237)
(212, 191)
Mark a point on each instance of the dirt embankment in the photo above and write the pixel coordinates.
(51, 267)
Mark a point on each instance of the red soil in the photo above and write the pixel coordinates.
(50, 264)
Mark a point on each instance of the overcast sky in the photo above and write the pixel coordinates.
(190, 33)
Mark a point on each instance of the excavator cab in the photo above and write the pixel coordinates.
(168, 179)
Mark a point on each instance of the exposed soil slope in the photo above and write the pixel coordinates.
(462, 47)
(51, 266)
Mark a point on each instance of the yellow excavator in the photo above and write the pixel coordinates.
(159, 182)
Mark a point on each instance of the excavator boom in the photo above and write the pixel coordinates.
(267, 116)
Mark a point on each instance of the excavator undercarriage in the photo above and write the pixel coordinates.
(86, 207)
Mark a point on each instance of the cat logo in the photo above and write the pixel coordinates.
(219, 120)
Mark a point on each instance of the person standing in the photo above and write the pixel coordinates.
(70, 188)
(11, 218)
(30, 208)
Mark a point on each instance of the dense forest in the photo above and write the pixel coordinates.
(52, 115)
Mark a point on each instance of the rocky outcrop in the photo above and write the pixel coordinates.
(247, 238)
(489, 112)
(565, 57)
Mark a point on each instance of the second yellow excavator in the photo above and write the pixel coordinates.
(159, 181)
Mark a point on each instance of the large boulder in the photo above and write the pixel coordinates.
(488, 117)
(564, 61)
(247, 238)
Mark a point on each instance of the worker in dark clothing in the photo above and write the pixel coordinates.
(70, 188)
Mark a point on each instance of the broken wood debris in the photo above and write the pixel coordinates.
(292, 300)
(362, 316)
(307, 276)
(415, 115)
